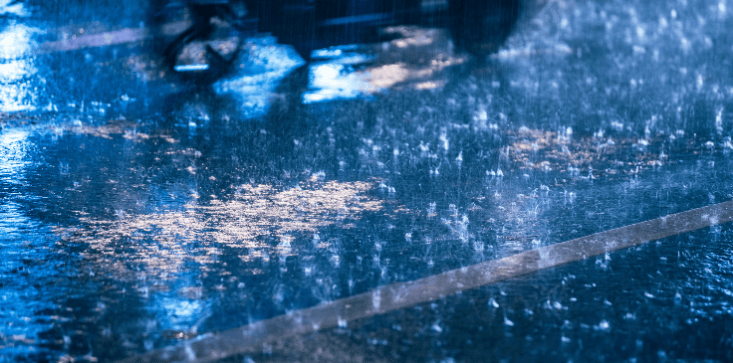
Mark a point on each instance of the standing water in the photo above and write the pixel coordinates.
(139, 214)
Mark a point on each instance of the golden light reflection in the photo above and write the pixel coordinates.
(549, 150)
(195, 52)
(124, 128)
(164, 242)
(417, 60)
(414, 36)
(294, 210)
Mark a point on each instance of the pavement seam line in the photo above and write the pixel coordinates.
(250, 338)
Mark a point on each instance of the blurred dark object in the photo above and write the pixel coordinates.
(477, 26)
(210, 19)
(482, 26)
(204, 14)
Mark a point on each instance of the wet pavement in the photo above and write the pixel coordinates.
(139, 213)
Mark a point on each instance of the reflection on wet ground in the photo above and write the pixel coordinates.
(416, 59)
(201, 230)
(139, 213)
(393, 297)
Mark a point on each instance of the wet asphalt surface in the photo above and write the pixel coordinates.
(137, 212)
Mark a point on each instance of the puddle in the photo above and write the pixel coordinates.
(138, 213)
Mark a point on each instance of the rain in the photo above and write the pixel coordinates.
(386, 180)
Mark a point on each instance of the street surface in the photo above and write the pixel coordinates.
(139, 213)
